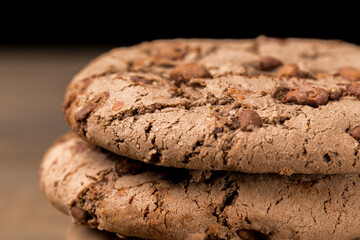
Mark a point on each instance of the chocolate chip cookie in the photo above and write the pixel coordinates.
(131, 198)
(263, 105)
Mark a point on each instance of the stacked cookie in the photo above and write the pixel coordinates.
(213, 139)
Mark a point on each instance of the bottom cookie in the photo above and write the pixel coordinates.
(133, 199)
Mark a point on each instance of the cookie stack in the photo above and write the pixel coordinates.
(213, 139)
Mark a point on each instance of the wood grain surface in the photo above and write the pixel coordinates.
(32, 86)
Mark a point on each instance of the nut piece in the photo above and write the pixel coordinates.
(83, 113)
(335, 93)
(173, 51)
(80, 215)
(307, 95)
(288, 71)
(268, 63)
(355, 133)
(350, 73)
(353, 89)
(249, 120)
(183, 73)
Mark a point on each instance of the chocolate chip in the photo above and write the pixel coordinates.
(307, 95)
(173, 51)
(218, 130)
(117, 106)
(80, 215)
(292, 70)
(335, 93)
(288, 71)
(125, 166)
(101, 98)
(355, 133)
(83, 113)
(140, 80)
(304, 74)
(249, 119)
(268, 63)
(185, 72)
(353, 89)
(249, 234)
(350, 73)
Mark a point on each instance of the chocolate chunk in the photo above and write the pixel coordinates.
(183, 73)
(117, 106)
(335, 93)
(249, 234)
(173, 51)
(101, 98)
(126, 167)
(353, 89)
(80, 215)
(292, 70)
(355, 133)
(249, 119)
(304, 74)
(83, 113)
(140, 80)
(307, 95)
(268, 63)
(288, 71)
(350, 73)
(218, 130)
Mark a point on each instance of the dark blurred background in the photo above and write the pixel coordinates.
(129, 22)
(41, 49)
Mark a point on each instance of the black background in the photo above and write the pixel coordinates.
(121, 24)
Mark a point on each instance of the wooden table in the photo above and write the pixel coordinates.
(32, 86)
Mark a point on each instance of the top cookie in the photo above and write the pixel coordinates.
(260, 106)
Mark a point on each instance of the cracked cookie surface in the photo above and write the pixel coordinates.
(179, 103)
(130, 198)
